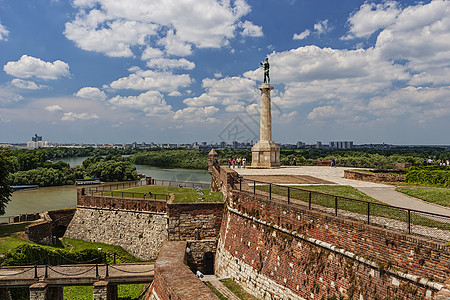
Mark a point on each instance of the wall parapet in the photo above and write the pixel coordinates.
(389, 176)
(173, 279)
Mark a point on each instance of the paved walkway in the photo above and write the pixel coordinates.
(382, 192)
(220, 287)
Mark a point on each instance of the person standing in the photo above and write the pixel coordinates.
(229, 162)
(333, 162)
(244, 160)
(234, 162)
(294, 161)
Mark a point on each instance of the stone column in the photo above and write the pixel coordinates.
(38, 291)
(265, 153)
(104, 291)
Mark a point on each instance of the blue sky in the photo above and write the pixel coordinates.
(112, 71)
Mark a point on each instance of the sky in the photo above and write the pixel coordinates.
(179, 71)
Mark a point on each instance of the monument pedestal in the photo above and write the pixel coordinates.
(265, 153)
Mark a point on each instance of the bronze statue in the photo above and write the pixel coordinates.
(265, 65)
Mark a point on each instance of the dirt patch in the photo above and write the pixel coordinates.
(288, 179)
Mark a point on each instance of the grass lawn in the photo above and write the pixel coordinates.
(182, 195)
(215, 291)
(351, 205)
(236, 289)
(435, 195)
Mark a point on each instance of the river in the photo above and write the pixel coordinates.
(49, 198)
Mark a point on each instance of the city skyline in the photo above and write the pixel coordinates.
(109, 71)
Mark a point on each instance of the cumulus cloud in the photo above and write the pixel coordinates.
(7, 96)
(53, 108)
(197, 114)
(152, 80)
(114, 27)
(71, 116)
(322, 27)
(250, 29)
(3, 33)
(322, 112)
(302, 35)
(26, 84)
(167, 63)
(28, 66)
(151, 102)
(202, 100)
(231, 90)
(371, 17)
(91, 93)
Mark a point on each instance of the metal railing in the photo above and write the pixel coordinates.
(190, 184)
(113, 186)
(407, 220)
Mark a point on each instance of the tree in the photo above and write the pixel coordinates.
(5, 189)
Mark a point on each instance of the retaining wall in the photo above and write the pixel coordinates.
(374, 177)
(276, 250)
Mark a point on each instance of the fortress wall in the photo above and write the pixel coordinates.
(194, 221)
(140, 233)
(275, 250)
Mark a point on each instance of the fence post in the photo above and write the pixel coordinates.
(114, 257)
(409, 221)
(254, 187)
(289, 195)
(270, 191)
(240, 184)
(335, 206)
(96, 270)
(309, 201)
(368, 212)
(46, 271)
(35, 271)
(107, 271)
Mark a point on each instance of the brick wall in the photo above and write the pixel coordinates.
(272, 248)
(173, 279)
(373, 177)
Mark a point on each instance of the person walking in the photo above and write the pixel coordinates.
(333, 162)
(234, 162)
(229, 162)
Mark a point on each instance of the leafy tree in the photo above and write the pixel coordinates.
(5, 189)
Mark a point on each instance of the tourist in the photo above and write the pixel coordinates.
(229, 162)
(294, 161)
(333, 162)
(239, 162)
(244, 160)
(234, 162)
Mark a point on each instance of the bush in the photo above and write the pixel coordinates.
(431, 176)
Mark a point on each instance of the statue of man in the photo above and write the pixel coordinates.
(265, 65)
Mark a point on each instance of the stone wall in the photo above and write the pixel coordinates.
(54, 224)
(194, 221)
(139, 233)
(374, 177)
(196, 255)
(276, 250)
(173, 280)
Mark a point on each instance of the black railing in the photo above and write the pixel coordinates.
(412, 221)
(190, 184)
(113, 186)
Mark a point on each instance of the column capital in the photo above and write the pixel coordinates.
(265, 86)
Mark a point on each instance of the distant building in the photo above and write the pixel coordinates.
(342, 145)
(37, 142)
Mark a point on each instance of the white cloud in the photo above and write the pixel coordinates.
(113, 27)
(71, 116)
(91, 93)
(150, 52)
(231, 90)
(322, 112)
(203, 100)
(148, 80)
(197, 114)
(302, 35)
(3, 33)
(7, 96)
(152, 103)
(322, 27)
(53, 108)
(26, 84)
(166, 63)
(28, 66)
(236, 108)
(371, 17)
(250, 29)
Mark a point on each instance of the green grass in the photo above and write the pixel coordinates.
(236, 289)
(351, 205)
(215, 291)
(435, 195)
(182, 195)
